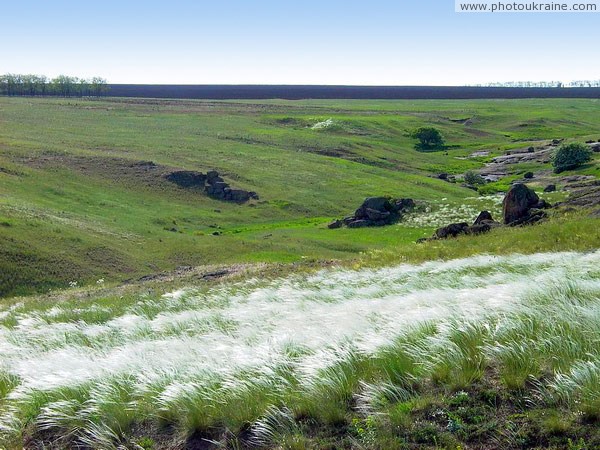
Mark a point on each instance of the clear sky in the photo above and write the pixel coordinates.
(369, 42)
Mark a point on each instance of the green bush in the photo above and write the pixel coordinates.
(474, 178)
(571, 156)
(429, 138)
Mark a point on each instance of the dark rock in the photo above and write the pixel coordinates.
(381, 204)
(483, 216)
(404, 204)
(187, 178)
(211, 176)
(482, 224)
(542, 204)
(421, 240)
(335, 224)
(517, 203)
(479, 228)
(377, 211)
(530, 150)
(215, 274)
(550, 188)
(374, 215)
(528, 175)
(219, 190)
(535, 215)
(219, 186)
(216, 188)
(556, 141)
(443, 176)
(358, 224)
(452, 230)
(239, 195)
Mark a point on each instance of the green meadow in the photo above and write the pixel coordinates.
(113, 337)
(72, 211)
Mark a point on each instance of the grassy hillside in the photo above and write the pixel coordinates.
(475, 353)
(478, 342)
(78, 203)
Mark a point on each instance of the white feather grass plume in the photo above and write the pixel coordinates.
(162, 358)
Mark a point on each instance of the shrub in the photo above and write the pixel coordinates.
(571, 156)
(429, 138)
(474, 178)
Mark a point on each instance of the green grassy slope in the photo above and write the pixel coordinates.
(71, 209)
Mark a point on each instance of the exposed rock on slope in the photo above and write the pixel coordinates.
(187, 178)
(483, 223)
(521, 206)
(376, 211)
(213, 185)
(584, 194)
(504, 165)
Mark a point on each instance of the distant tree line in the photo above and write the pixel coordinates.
(544, 84)
(62, 85)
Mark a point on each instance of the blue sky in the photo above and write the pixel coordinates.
(395, 42)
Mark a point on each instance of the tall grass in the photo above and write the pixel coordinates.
(261, 358)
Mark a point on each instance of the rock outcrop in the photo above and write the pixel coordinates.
(187, 178)
(376, 212)
(482, 224)
(522, 205)
(583, 194)
(452, 230)
(213, 185)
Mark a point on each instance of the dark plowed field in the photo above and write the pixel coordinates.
(341, 92)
